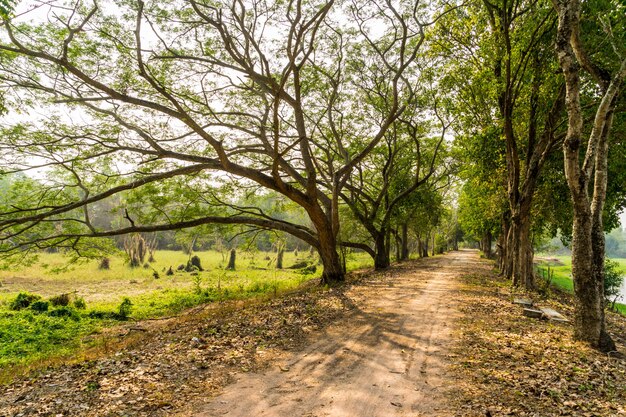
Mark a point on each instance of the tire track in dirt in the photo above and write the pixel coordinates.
(385, 358)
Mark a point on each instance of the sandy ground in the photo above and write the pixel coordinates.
(386, 358)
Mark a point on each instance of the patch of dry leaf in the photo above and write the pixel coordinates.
(168, 365)
(511, 365)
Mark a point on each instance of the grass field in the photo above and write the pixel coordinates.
(562, 272)
(28, 336)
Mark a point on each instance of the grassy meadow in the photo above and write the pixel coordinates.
(561, 267)
(96, 296)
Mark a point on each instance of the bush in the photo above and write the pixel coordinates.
(197, 284)
(125, 308)
(64, 311)
(60, 300)
(99, 314)
(40, 306)
(80, 304)
(613, 280)
(23, 300)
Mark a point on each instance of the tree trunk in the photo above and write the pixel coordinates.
(589, 321)
(381, 260)
(279, 258)
(523, 273)
(231, 259)
(432, 249)
(606, 343)
(398, 248)
(420, 247)
(404, 252)
(510, 251)
(520, 250)
(486, 244)
(333, 271)
(502, 243)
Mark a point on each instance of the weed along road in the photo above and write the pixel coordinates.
(386, 358)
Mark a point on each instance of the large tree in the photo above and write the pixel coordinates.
(587, 177)
(382, 192)
(505, 46)
(252, 91)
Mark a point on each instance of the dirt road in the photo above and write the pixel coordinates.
(387, 358)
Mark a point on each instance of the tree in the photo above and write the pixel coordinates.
(383, 187)
(252, 92)
(505, 47)
(587, 179)
(519, 55)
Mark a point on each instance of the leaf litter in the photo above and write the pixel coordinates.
(511, 365)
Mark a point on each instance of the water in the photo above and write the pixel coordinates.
(622, 298)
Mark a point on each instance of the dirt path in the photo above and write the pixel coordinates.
(386, 358)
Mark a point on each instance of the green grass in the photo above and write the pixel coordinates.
(562, 273)
(28, 337)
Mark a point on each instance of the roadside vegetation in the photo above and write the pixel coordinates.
(556, 270)
(53, 309)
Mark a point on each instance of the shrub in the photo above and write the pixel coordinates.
(197, 284)
(64, 311)
(60, 300)
(309, 269)
(125, 308)
(23, 300)
(80, 304)
(612, 281)
(39, 306)
(99, 314)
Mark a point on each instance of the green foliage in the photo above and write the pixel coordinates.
(80, 304)
(23, 300)
(40, 306)
(613, 280)
(6, 8)
(60, 300)
(197, 283)
(65, 311)
(125, 308)
(27, 335)
(562, 276)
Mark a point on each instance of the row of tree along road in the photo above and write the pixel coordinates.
(342, 124)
